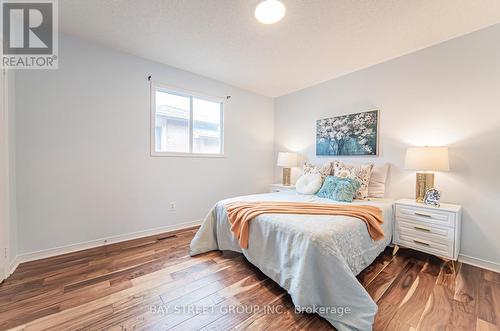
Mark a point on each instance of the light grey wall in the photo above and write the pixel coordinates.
(449, 95)
(84, 169)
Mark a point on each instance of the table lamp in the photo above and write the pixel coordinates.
(287, 161)
(424, 160)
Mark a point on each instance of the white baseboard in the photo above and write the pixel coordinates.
(26, 257)
(10, 268)
(493, 266)
(13, 266)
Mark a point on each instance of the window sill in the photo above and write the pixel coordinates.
(194, 155)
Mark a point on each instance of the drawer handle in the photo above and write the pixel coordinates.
(422, 229)
(422, 214)
(421, 243)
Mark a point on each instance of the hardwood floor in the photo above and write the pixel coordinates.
(129, 286)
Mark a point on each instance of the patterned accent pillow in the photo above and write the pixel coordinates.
(324, 170)
(362, 173)
(339, 189)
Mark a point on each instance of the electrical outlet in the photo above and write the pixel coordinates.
(172, 206)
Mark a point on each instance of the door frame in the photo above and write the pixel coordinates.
(4, 177)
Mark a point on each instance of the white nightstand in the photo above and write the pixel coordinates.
(281, 188)
(433, 230)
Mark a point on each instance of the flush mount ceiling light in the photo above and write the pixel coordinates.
(269, 11)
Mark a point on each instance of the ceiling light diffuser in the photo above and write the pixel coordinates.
(269, 11)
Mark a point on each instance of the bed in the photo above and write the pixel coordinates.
(315, 258)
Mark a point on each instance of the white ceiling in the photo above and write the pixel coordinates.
(316, 41)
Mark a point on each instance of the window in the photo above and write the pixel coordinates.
(185, 124)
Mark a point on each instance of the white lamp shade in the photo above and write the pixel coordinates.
(287, 160)
(427, 158)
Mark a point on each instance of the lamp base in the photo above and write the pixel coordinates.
(286, 176)
(424, 182)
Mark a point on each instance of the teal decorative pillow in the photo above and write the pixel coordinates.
(339, 189)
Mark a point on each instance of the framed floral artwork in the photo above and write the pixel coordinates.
(348, 135)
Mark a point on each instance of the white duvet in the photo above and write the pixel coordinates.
(315, 258)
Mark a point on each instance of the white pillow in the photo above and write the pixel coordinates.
(309, 184)
(376, 187)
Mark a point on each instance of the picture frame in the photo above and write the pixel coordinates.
(355, 134)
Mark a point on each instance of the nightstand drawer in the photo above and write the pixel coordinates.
(434, 230)
(424, 244)
(426, 215)
(429, 232)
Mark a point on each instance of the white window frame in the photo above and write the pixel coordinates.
(191, 95)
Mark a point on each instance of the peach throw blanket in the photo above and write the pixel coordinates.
(241, 213)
